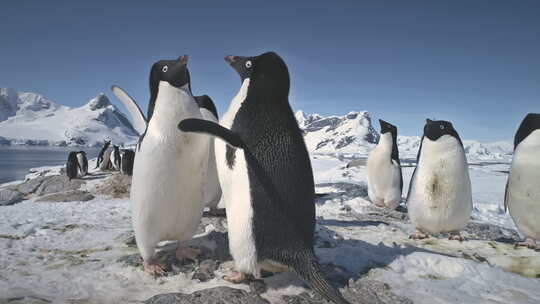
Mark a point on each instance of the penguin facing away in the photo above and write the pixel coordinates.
(385, 181)
(115, 157)
(522, 195)
(439, 198)
(102, 153)
(266, 176)
(128, 157)
(169, 166)
(72, 165)
(82, 162)
(212, 192)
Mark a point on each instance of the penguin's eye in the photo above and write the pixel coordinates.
(442, 127)
(248, 64)
(165, 69)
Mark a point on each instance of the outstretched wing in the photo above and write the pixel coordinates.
(139, 121)
(212, 128)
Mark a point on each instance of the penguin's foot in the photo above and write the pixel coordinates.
(236, 277)
(528, 242)
(154, 268)
(183, 251)
(456, 237)
(418, 236)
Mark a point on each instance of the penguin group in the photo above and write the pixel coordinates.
(254, 161)
(115, 159)
(439, 199)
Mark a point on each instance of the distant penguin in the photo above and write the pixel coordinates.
(266, 176)
(82, 162)
(102, 153)
(72, 165)
(439, 198)
(212, 189)
(127, 161)
(115, 157)
(169, 167)
(523, 187)
(106, 160)
(385, 181)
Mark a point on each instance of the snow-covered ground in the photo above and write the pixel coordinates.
(69, 252)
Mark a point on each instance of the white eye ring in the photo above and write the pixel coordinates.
(165, 69)
(442, 127)
(248, 64)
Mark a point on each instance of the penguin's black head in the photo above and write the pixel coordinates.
(205, 102)
(435, 129)
(387, 127)
(266, 71)
(530, 123)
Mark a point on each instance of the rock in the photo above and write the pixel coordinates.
(489, 232)
(31, 185)
(58, 183)
(69, 196)
(216, 295)
(116, 186)
(10, 196)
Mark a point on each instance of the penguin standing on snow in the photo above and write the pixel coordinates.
(82, 162)
(102, 153)
(385, 181)
(72, 165)
(115, 157)
(169, 167)
(522, 197)
(439, 198)
(212, 189)
(266, 176)
(127, 161)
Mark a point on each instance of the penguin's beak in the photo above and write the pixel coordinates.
(231, 59)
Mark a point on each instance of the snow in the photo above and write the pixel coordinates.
(29, 118)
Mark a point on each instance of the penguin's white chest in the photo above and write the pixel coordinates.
(523, 197)
(441, 198)
(168, 174)
(384, 181)
(236, 195)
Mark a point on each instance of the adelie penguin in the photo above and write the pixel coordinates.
(385, 181)
(72, 165)
(82, 163)
(128, 156)
(439, 198)
(212, 188)
(266, 176)
(169, 167)
(522, 196)
(102, 154)
(115, 157)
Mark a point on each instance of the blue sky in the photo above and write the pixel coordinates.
(475, 63)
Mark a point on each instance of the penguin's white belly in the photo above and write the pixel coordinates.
(80, 160)
(524, 193)
(166, 193)
(383, 180)
(212, 189)
(106, 159)
(441, 199)
(113, 160)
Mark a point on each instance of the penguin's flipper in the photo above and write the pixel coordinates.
(212, 128)
(506, 197)
(139, 121)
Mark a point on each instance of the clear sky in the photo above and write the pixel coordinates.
(475, 63)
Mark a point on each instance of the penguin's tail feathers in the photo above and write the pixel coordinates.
(311, 273)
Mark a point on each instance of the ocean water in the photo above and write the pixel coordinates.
(16, 160)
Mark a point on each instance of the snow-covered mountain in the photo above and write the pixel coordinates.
(29, 118)
(354, 134)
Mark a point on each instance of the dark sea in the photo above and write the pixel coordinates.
(16, 160)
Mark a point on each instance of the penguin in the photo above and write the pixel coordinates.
(385, 181)
(266, 176)
(106, 160)
(115, 157)
(102, 152)
(127, 162)
(439, 198)
(82, 162)
(522, 195)
(72, 165)
(212, 192)
(169, 167)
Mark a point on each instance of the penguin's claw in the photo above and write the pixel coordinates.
(418, 236)
(154, 268)
(185, 252)
(236, 277)
(529, 243)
